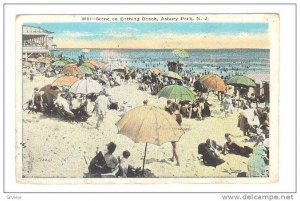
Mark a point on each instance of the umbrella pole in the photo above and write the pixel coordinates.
(144, 158)
(86, 95)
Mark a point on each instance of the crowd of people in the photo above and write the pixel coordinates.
(253, 121)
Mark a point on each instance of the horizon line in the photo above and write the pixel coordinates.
(163, 48)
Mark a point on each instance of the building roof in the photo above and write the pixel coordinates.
(31, 30)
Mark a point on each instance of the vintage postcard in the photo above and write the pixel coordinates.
(181, 98)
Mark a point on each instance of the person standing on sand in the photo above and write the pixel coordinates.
(101, 106)
(145, 102)
(227, 105)
(37, 100)
(178, 118)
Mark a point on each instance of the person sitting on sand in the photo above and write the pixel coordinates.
(263, 144)
(124, 165)
(251, 99)
(63, 105)
(97, 165)
(110, 159)
(208, 152)
(232, 147)
(125, 108)
(80, 112)
(256, 163)
(184, 109)
(174, 106)
(168, 107)
(194, 111)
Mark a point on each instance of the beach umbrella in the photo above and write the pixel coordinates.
(32, 59)
(116, 67)
(214, 82)
(49, 89)
(46, 60)
(86, 86)
(26, 64)
(55, 59)
(66, 80)
(99, 64)
(95, 64)
(72, 69)
(181, 53)
(50, 93)
(88, 64)
(173, 75)
(86, 70)
(241, 80)
(68, 60)
(259, 77)
(149, 124)
(59, 63)
(156, 71)
(177, 92)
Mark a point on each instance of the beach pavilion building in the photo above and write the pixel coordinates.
(36, 42)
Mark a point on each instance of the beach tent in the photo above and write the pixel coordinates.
(241, 80)
(149, 124)
(86, 86)
(177, 92)
(65, 80)
(214, 82)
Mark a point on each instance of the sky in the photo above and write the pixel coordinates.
(159, 35)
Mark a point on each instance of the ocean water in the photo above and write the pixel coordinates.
(222, 61)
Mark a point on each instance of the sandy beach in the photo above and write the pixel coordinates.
(56, 148)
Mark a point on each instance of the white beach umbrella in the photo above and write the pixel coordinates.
(86, 86)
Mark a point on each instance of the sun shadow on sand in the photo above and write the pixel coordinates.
(147, 174)
(153, 160)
